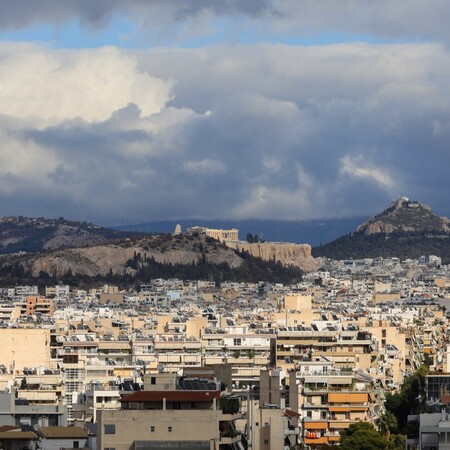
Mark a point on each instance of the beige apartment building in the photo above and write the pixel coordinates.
(346, 348)
(197, 419)
(24, 347)
(295, 309)
(392, 344)
(330, 400)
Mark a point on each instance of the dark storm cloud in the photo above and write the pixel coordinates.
(386, 19)
(96, 13)
(290, 133)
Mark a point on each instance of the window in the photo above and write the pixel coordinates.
(169, 429)
(153, 380)
(110, 429)
(152, 428)
(76, 444)
(237, 341)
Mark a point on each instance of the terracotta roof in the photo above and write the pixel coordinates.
(64, 432)
(290, 413)
(171, 396)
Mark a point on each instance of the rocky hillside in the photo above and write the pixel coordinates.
(405, 216)
(288, 254)
(25, 234)
(406, 229)
(141, 258)
(126, 256)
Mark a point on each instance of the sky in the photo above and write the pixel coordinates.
(127, 112)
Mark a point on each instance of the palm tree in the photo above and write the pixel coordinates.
(387, 423)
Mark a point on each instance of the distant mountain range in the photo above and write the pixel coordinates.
(313, 232)
(406, 229)
(61, 250)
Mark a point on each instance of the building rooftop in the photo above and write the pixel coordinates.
(171, 396)
(64, 432)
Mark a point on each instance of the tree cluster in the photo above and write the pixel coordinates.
(410, 400)
(251, 270)
(253, 238)
(400, 244)
(364, 436)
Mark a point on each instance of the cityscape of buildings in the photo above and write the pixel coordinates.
(259, 365)
(205, 242)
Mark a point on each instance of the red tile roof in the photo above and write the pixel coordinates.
(290, 413)
(171, 396)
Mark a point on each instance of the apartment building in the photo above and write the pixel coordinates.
(191, 414)
(19, 411)
(24, 347)
(36, 305)
(329, 400)
(347, 348)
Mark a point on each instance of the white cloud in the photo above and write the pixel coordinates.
(357, 167)
(51, 86)
(242, 131)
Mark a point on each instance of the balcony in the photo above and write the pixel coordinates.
(231, 417)
(229, 440)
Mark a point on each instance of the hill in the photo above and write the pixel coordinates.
(406, 229)
(132, 260)
(26, 234)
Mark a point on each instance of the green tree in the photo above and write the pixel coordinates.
(397, 442)
(410, 399)
(362, 436)
(388, 424)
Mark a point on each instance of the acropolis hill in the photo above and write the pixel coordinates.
(285, 252)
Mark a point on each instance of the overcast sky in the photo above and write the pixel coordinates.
(125, 112)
